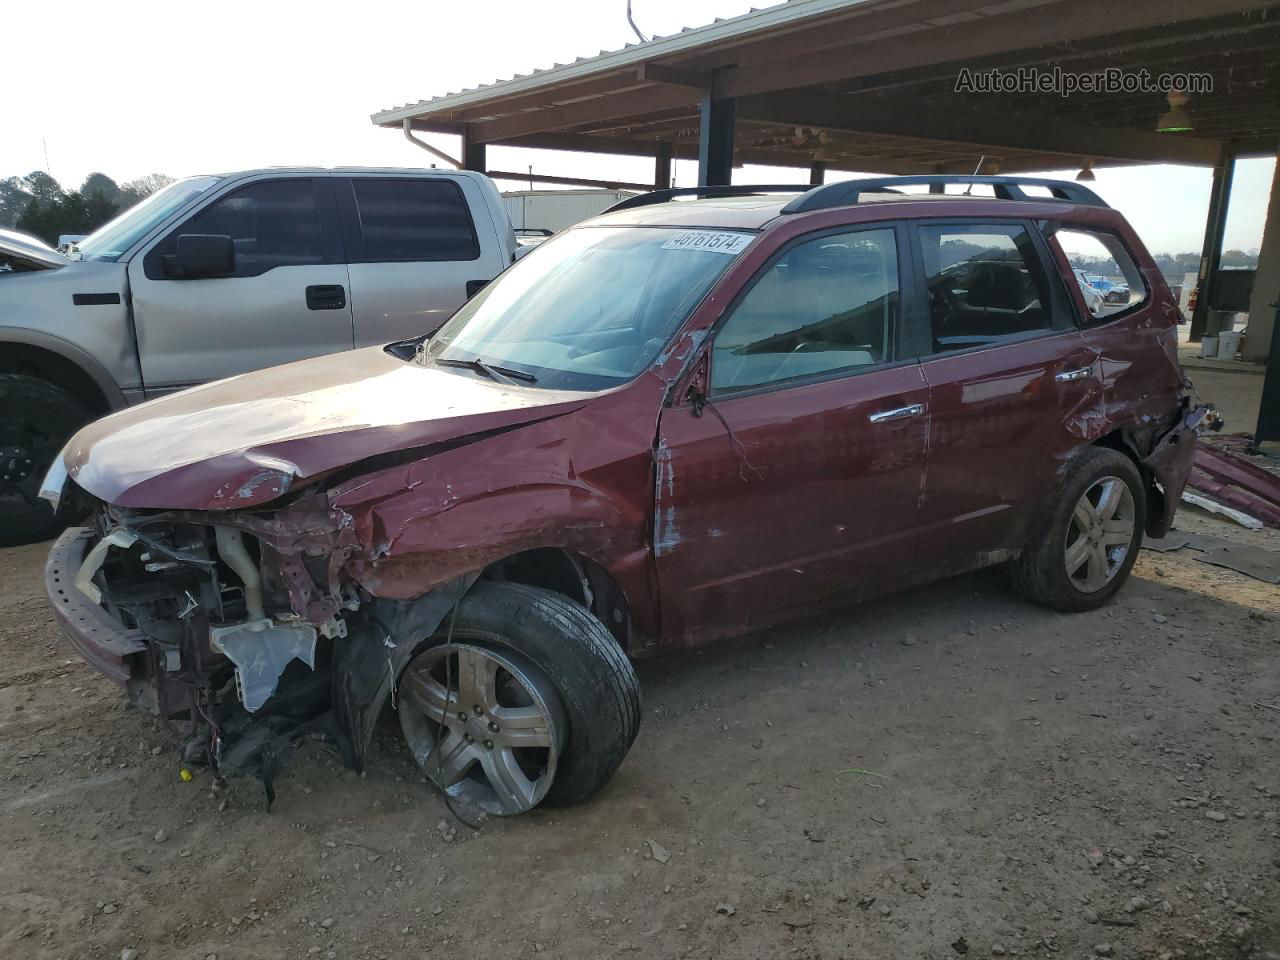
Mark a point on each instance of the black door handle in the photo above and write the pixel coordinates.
(326, 296)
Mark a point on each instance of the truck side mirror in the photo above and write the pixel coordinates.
(204, 255)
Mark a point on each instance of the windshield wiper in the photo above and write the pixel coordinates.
(492, 371)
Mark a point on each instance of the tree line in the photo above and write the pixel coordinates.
(37, 204)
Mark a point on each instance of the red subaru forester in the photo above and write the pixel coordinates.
(688, 418)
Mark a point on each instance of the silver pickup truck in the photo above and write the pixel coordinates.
(215, 276)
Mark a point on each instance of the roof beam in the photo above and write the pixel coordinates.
(1058, 23)
(568, 181)
(644, 101)
(676, 76)
(999, 131)
(560, 95)
(574, 141)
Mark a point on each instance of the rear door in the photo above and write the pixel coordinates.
(1010, 379)
(415, 251)
(800, 480)
(1134, 333)
(286, 299)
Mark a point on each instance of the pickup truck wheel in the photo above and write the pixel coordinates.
(526, 698)
(1093, 536)
(36, 420)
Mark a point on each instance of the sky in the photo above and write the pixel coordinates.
(156, 87)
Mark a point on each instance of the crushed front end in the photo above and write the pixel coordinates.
(198, 620)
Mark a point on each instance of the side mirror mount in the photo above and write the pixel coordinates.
(201, 255)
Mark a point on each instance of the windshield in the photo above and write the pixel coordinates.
(116, 236)
(586, 310)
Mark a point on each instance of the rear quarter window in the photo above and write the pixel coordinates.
(1110, 281)
(413, 219)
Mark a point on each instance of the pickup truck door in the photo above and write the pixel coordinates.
(287, 298)
(417, 248)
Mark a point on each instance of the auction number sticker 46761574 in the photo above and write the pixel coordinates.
(709, 240)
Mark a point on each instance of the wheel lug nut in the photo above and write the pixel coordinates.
(462, 715)
(477, 709)
(468, 737)
(488, 744)
(493, 727)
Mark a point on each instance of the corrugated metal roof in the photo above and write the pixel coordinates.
(606, 61)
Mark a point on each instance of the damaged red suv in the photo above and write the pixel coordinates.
(686, 419)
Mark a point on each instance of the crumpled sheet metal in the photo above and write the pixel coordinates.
(1170, 463)
(1234, 481)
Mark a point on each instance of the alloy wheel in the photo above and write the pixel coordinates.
(484, 725)
(1100, 535)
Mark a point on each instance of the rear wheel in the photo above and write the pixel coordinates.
(36, 420)
(526, 698)
(1093, 536)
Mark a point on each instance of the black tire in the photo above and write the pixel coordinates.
(36, 420)
(595, 681)
(1040, 573)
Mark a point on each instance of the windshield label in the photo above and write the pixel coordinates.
(730, 243)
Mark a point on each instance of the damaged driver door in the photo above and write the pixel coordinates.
(789, 473)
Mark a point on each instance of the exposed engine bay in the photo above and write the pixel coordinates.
(208, 637)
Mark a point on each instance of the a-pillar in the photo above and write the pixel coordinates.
(1266, 282)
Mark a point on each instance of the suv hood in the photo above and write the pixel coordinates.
(28, 253)
(246, 440)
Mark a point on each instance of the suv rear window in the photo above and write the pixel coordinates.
(1101, 262)
(986, 283)
(414, 220)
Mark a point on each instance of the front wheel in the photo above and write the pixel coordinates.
(36, 420)
(1093, 536)
(520, 697)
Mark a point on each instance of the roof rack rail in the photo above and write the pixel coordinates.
(744, 190)
(1005, 188)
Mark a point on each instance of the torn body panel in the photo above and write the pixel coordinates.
(1168, 462)
(1233, 480)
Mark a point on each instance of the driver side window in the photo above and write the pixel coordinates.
(271, 223)
(826, 305)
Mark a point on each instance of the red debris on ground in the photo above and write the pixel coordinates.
(1236, 481)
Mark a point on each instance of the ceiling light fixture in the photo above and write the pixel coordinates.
(1177, 119)
(1086, 173)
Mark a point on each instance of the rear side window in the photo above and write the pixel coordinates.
(986, 283)
(1109, 280)
(414, 220)
(826, 306)
(271, 223)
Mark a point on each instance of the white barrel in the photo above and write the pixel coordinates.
(1209, 346)
(1229, 344)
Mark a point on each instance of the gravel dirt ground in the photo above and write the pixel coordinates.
(946, 772)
